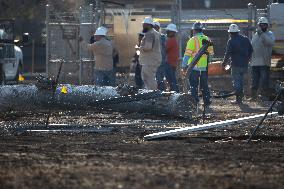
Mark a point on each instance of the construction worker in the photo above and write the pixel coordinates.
(161, 69)
(103, 50)
(172, 50)
(115, 55)
(150, 54)
(136, 66)
(198, 76)
(262, 43)
(239, 50)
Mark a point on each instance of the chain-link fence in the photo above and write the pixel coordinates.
(63, 32)
(216, 24)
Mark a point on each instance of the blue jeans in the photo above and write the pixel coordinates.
(238, 79)
(104, 78)
(195, 78)
(260, 74)
(171, 77)
(160, 74)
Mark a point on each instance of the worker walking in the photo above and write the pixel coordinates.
(103, 50)
(161, 69)
(172, 52)
(262, 43)
(150, 54)
(198, 76)
(239, 51)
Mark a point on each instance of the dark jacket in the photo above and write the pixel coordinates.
(239, 49)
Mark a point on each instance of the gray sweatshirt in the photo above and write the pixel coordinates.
(103, 51)
(150, 49)
(262, 48)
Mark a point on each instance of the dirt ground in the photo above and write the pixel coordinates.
(120, 158)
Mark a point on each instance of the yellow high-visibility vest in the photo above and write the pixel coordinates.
(193, 46)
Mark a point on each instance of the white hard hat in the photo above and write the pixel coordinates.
(156, 23)
(172, 27)
(233, 28)
(262, 20)
(101, 31)
(148, 20)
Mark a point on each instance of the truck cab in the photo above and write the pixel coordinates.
(11, 56)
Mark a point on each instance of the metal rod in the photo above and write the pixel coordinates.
(206, 126)
(53, 93)
(265, 115)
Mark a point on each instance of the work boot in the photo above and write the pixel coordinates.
(253, 95)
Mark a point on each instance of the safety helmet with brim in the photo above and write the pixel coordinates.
(171, 27)
(148, 20)
(233, 28)
(197, 26)
(262, 20)
(101, 31)
(156, 23)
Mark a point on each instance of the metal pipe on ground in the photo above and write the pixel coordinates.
(94, 128)
(203, 127)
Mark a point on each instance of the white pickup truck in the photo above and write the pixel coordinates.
(11, 65)
(11, 56)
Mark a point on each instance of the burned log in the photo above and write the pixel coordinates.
(71, 97)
